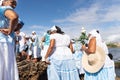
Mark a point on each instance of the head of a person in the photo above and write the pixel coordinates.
(56, 29)
(48, 31)
(33, 32)
(93, 33)
(17, 31)
(53, 29)
(59, 30)
(27, 37)
(12, 3)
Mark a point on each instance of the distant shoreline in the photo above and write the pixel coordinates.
(113, 45)
(117, 64)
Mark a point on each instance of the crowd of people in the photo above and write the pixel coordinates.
(68, 59)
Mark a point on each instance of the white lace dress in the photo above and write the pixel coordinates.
(62, 65)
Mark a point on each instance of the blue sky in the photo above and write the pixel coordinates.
(71, 16)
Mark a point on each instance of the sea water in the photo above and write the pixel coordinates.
(116, 57)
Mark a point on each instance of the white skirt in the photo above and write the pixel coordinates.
(8, 66)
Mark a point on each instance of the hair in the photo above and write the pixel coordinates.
(48, 31)
(110, 56)
(59, 30)
(97, 31)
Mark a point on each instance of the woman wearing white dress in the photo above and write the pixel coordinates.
(106, 71)
(62, 65)
(46, 41)
(8, 21)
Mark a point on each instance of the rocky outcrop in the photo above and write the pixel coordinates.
(29, 70)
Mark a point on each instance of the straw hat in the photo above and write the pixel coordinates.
(92, 63)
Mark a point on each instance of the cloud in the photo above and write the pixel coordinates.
(111, 34)
(94, 14)
(113, 38)
(40, 30)
(99, 15)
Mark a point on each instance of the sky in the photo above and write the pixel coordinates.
(71, 16)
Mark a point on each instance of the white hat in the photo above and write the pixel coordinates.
(33, 32)
(93, 62)
(27, 36)
(53, 28)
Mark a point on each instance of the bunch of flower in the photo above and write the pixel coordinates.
(83, 37)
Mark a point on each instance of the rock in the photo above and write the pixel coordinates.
(30, 70)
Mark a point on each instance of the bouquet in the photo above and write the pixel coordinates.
(83, 37)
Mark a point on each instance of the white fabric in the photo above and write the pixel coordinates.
(44, 51)
(61, 47)
(35, 47)
(53, 28)
(8, 66)
(99, 42)
(34, 36)
(21, 41)
(1, 2)
(36, 52)
(33, 32)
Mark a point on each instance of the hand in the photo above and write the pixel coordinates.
(83, 48)
(46, 60)
(5, 31)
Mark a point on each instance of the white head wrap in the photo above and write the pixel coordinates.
(95, 34)
(1, 2)
(53, 28)
(27, 36)
(33, 32)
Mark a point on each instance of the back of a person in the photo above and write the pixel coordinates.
(61, 49)
(21, 38)
(47, 39)
(62, 40)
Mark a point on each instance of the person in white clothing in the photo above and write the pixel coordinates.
(97, 54)
(45, 43)
(17, 36)
(35, 47)
(59, 56)
(21, 41)
(8, 22)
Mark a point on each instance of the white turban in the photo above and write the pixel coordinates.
(33, 32)
(53, 28)
(94, 33)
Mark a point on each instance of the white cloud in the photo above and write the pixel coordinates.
(40, 30)
(112, 34)
(98, 16)
(113, 38)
